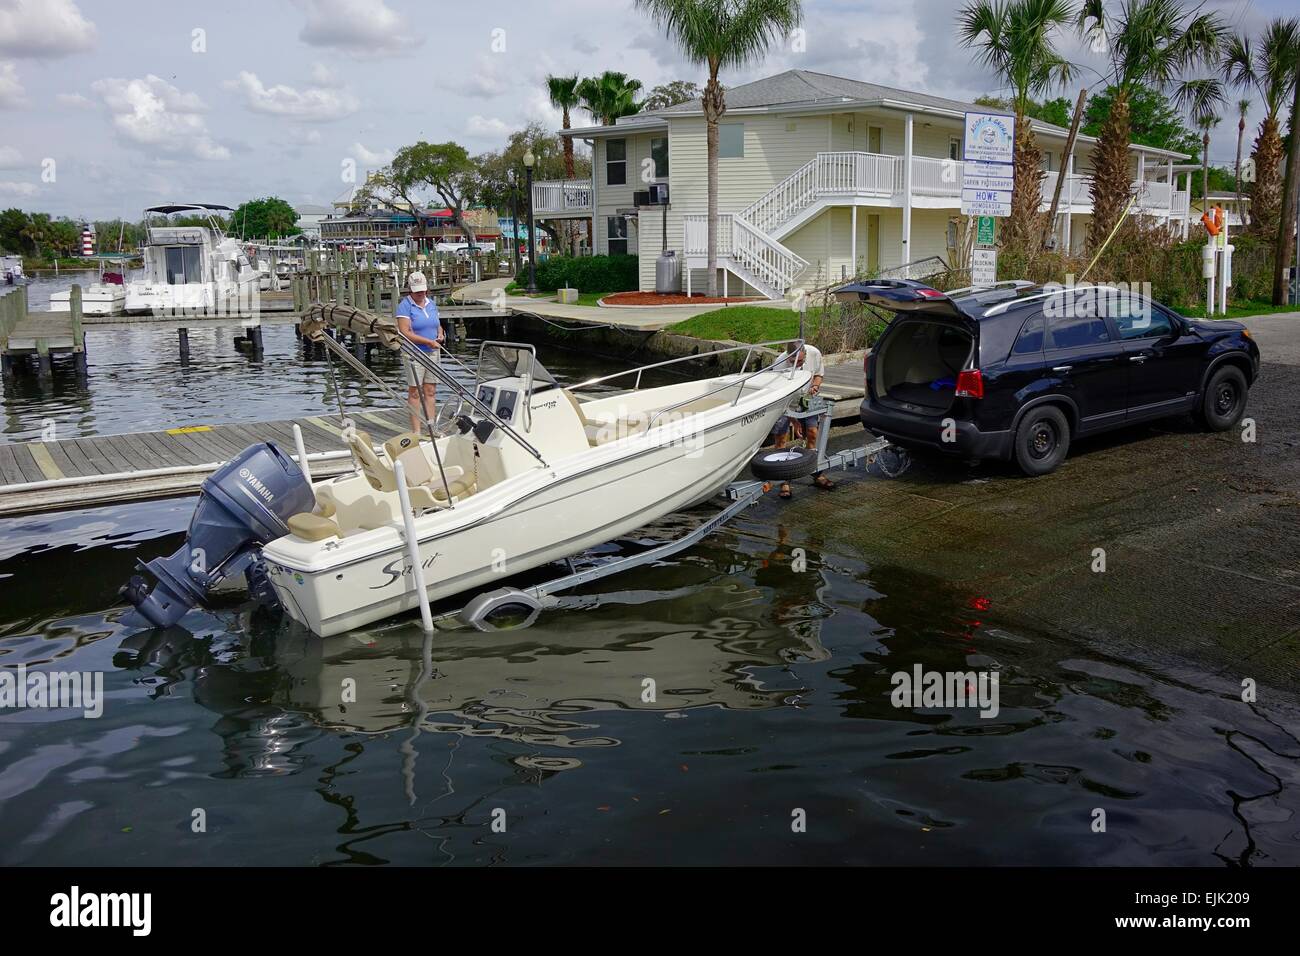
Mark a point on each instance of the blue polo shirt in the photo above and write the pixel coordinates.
(424, 319)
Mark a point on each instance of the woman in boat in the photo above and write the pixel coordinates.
(417, 318)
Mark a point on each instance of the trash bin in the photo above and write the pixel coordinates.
(667, 278)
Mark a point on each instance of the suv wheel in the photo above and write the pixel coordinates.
(1224, 401)
(1042, 440)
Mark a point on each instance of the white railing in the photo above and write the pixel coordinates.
(762, 256)
(1153, 195)
(827, 174)
(935, 177)
(562, 195)
(1182, 204)
(1076, 191)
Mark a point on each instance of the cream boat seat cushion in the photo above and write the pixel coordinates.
(421, 472)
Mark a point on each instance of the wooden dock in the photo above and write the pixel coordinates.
(37, 476)
(26, 334)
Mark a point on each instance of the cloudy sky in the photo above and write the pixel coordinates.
(106, 107)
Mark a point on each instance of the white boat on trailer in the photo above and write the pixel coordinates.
(521, 472)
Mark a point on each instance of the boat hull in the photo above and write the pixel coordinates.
(561, 518)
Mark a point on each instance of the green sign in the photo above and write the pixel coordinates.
(987, 230)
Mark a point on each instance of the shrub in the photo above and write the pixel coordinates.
(589, 273)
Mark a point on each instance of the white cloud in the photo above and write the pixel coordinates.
(487, 78)
(359, 27)
(312, 137)
(322, 75)
(11, 90)
(10, 158)
(368, 157)
(43, 28)
(74, 101)
(152, 113)
(310, 105)
(18, 189)
(488, 126)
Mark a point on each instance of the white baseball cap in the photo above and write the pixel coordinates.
(416, 282)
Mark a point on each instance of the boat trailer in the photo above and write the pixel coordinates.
(531, 601)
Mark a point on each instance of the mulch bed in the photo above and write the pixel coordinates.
(655, 298)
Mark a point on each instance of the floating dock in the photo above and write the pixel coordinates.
(37, 476)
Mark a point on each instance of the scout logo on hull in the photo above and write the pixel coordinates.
(399, 568)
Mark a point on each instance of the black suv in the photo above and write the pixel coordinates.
(1016, 370)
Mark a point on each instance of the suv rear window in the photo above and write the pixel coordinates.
(1031, 337)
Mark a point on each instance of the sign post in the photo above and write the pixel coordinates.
(988, 177)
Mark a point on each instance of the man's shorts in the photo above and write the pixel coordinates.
(417, 375)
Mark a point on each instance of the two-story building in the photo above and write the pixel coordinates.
(819, 178)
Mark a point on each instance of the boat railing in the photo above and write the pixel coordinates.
(749, 351)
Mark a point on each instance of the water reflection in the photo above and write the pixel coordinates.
(772, 691)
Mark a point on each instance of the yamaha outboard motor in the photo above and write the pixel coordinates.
(244, 504)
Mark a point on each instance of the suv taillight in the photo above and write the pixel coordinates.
(970, 384)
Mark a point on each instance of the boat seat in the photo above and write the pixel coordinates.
(379, 474)
(424, 474)
(314, 527)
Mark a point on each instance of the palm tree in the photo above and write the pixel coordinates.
(1265, 70)
(717, 34)
(1202, 97)
(609, 96)
(1243, 107)
(563, 93)
(1016, 40)
(1206, 122)
(1286, 236)
(1145, 41)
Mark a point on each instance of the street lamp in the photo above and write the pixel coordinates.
(529, 161)
(514, 220)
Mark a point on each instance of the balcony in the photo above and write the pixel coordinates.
(558, 198)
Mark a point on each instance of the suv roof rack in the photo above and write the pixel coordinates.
(1003, 306)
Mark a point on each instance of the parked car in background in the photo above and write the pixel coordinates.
(1018, 371)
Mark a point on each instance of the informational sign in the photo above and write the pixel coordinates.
(989, 151)
(983, 266)
(986, 234)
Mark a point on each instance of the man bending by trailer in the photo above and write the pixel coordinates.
(809, 358)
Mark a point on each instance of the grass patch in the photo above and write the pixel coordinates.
(744, 323)
(1239, 310)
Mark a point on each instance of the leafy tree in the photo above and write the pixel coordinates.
(1017, 40)
(267, 218)
(446, 168)
(717, 34)
(1153, 121)
(13, 224)
(671, 94)
(502, 176)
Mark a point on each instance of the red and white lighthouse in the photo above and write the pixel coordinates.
(87, 241)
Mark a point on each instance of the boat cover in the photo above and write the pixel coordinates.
(346, 318)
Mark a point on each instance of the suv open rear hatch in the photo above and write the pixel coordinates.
(901, 295)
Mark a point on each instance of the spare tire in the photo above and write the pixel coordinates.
(783, 464)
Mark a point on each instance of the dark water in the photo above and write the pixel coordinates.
(773, 696)
(136, 381)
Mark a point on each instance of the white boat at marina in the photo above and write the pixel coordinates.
(192, 269)
(521, 472)
(99, 298)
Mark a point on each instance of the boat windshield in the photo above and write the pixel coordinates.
(504, 361)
